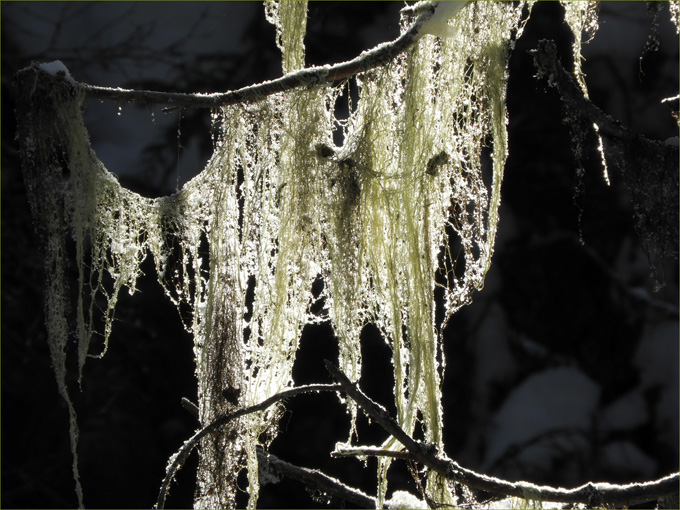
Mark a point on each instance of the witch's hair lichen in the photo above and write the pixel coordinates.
(279, 208)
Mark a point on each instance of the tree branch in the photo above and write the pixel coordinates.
(178, 459)
(368, 451)
(370, 59)
(549, 67)
(649, 167)
(313, 479)
(591, 493)
(421, 452)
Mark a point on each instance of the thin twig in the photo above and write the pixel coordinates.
(370, 59)
(273, 466)
(420, 452)
(180, 457)
(598, 494)
(367, 451)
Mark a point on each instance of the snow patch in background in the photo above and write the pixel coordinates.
(494, 358)
(625, 457)
(626, 413)
(552, 400)
(657, 360)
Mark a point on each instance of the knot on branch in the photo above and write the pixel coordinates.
(594, 495)
(430, 449)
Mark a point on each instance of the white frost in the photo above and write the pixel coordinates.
(405, 500)
(438, 24)
(58, 69)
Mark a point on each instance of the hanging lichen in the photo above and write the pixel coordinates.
(279, 206)
(581, 17)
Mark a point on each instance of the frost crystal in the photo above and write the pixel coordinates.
(401, 201)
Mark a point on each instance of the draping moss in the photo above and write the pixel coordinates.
(279, 207)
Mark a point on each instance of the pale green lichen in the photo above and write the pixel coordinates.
(279, 207)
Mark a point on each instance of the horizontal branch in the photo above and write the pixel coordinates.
(367, 451)
(313, 479)
(370, 59)
(592, 494)
(180, 457)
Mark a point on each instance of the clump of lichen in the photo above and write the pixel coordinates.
(279, 207)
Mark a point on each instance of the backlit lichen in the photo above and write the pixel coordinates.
(279, 207)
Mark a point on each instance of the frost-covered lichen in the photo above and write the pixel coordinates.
(278, 206)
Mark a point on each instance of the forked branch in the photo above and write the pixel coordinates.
(178, 459)
(591, 493)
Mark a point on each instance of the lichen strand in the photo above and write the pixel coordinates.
(371, 218)
(674, 8)
(443, 96)
(581, 17)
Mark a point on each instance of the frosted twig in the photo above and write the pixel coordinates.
(370, 59)
(367, 451)
(183, 453)
(600, 494)
(315, 480)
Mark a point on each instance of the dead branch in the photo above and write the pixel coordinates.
(592, 494)
(273, 466)
(178, 459)
(549, 67)
(648, 167)
(367, 451)
(370, 59)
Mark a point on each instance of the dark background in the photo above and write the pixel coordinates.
(563, 370)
